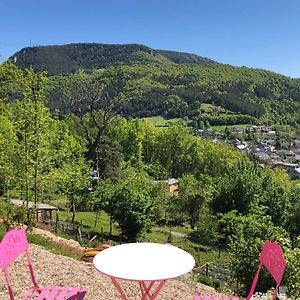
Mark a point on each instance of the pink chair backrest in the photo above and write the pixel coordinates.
(273, 259)
(12, 245)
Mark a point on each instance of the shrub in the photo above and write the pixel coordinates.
(293, 272)
(209, 281)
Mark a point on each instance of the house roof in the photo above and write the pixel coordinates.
(241, 147)
(171, 181)
(40, 206)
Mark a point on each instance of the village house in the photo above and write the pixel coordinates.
(264, 157)
(296, 145)
(295, 173)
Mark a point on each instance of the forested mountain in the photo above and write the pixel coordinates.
(66, 59)
(167, 83)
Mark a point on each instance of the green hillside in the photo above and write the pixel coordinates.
(166, 83)
(174, 91)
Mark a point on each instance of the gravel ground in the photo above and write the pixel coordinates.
(55, 269)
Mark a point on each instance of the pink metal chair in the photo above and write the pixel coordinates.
(13, 244)
(273, 259)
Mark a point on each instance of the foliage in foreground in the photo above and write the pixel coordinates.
(247, 235)
(293, 272)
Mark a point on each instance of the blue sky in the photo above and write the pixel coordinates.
(254, 33)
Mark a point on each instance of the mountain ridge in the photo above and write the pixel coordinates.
(69, 58)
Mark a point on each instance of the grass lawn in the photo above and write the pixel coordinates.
(87, 219)
(208, 108)
(159, 121)
(202, 254)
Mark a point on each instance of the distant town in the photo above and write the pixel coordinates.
(273, 148)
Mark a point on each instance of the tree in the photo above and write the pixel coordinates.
(72, 172)
(238, 188)
(11, 81)
(191, 198)
(89, 95)
(131, 141)
(33, 124)
(170, 149)
(293, 225)
(201, 125)
(103, 198)
(8, 146)
(74, 183)
(175, 106)
(134, 208)
(34, 96)
(292, 272)
(227, 133)
(275, 186)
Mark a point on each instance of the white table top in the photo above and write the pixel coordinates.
(143, 261)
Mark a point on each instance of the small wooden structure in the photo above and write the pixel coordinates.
(172, 185)
(44, 211)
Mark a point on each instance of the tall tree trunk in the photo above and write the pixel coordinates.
(97, 217)
(73, 211)
(26, 177)
(36, 150)
(110, 225)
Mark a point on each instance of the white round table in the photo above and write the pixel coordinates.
(146, 263)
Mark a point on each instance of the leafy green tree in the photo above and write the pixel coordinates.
(201, 125)
(191, 198)
(33, 124)
(72, 172)
(170, 149)
(163, 201)
(293, 214)
(74, 183)
(8, 145)
(207, 124)
(11, 81)
(132, 142)
(238, 188)
(227, 133)
(134, 207)
(34, 96)
(292, 273)
(175, 106)
(103, 199)
(276, 195)
(207, 227)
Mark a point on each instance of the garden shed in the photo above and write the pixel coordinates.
(44, 211)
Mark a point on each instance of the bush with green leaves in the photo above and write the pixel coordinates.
(293, 272)
(246, 236)
(134, 208)
(14, 216)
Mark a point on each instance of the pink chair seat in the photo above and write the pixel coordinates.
(15, 243)
(214, 298)
(55, 293)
